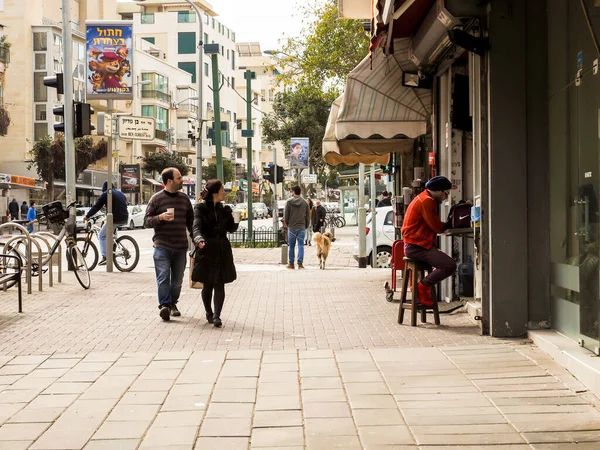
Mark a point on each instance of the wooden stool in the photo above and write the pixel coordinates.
(415, 270)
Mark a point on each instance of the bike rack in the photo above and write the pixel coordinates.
(59, 250)
(27, 235)
(36, 236)
(29, 241)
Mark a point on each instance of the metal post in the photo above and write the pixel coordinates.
(217, 123)
(70, 178)
(109, 210)
(373, 217)
(248, 77)
(275, 207)
(200, 79)
(362, 218)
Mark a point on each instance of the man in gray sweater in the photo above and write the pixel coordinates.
(296, 218)
(171, 215)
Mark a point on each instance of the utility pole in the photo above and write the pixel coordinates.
(217, 123)
(70, 180)
(249, 134)
(362, 218)
(109, 201)
(275, 207)
(373, 217)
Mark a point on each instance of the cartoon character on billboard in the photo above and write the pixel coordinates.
(107, 69)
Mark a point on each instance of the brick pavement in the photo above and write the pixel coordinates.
(307, 359)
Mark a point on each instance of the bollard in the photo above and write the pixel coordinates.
(284, 251)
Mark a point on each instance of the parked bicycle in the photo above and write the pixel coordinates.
(55, 214)
(335, 220)
(126, 252)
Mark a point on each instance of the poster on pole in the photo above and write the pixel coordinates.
(299, 152)
(130, 178)
(109, 57)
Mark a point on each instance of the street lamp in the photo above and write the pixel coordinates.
(199, 75)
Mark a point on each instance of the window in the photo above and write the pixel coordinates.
(186, 43)
(40, 42)
(40, 130)
(40, 112)
(205, 69)
(40, 61)
(232, 83)
(205, 38)
(233, 36)
(189, 67)
(389, 219)
(159, 113)
(271, 95)
(227, 53)
(213, 23)
(149, 39)
(239, 124)
(233, 60)
(275, 72)
(147, 18)
(207, 19)
(40, 92)
(186, 16)
(147, 111)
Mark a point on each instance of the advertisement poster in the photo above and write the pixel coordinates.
(109, 49)
(299, 152)
(130, 178)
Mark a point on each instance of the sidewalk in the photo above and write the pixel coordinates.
(306, 359)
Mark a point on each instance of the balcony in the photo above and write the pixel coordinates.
(184, 145)
(162, 135)
(159, 95)
(187, 109)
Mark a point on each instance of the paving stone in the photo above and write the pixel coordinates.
(562, 437)
(470, 439)
(240, 368)
(561, 446)
(160, 437)
(315, 442)
(279, 377)
(279, 367)
(277, 437)
(271, 357)
(244, 354)
(113, 444)
(234, 396)
(57, 364)
(24, 360)
(67, 388)
(226, 426)
(277, 389)
(315, 354)
(191, 389)
(179, 418)
(10, 409)
(366, 388)
(379, 417)
(326, 410)
(109, 386)
(237, 383)
(160, 374)
(101, 357)
(122, 430)
(53, 401)
(225, 410)
(323, 395)
(385, 435)
(84, 366)
(423, 430)
(143, 398)
(74, 377)
(170, 364)
(278, 403)
(124, 413)
(185, 403)
(18, 396)
(359, 377)
(321, 383)
(36, 415)
(433, 420)
(330, 427)
(22, 431)
(222, 443)
(275, 419)
(22, 369)
(372, 402)
(151, 386)
(31, 383)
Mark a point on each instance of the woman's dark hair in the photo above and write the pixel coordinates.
(212, 187)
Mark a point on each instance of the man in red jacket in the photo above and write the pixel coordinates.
(419, 231)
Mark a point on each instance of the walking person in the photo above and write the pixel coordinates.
(309, 230)
(13, 208)
(213, 262)
(171, 215)
(385, 200)
(24, 210)
(119, 211)
(31, 217)
(296, 219)
(319, 214)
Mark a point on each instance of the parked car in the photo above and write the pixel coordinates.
(386, 234)
(281, 206)
(80, 215)
(136, 216)
(260, 210)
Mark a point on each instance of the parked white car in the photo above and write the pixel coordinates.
(260, 211)
(136, 216)
(386, 234)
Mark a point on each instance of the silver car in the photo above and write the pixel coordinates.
(259, 210)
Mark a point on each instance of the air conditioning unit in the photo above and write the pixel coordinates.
(431, 39)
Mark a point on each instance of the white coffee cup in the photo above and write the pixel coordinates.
(237, 216)
(171, 211)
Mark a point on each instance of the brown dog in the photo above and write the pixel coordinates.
(322, 244)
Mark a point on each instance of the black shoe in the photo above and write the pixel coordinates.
(174, 311)
(165, 313)
(209, 317)
(102, 261)
(217, 322)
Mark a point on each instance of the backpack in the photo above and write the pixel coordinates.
(460, 215)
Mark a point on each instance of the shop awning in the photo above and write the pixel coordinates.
(377, 115)
(151, 181)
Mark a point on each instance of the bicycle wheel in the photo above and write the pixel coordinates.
(80, 267)
(8, 266)
(90, 252)
(126, 254)
(343, 222)
(338, 222)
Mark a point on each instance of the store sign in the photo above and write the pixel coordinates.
(137, 127)
(109, 50)
(22, 181)
(130, 178)
(309, 179)
(4, 178)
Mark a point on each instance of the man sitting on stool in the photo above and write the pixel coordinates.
(419, 231)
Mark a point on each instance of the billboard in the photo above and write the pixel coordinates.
(130, 178)
(299, 153)
(109, 53)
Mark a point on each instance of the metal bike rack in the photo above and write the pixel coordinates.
(36, 236)
(28, 242)
(59, 251)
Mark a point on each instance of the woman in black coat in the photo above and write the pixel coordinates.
(213, 265)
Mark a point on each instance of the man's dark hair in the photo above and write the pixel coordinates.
(297, 190)
(168, 174)
(296, 144)
(32, 203)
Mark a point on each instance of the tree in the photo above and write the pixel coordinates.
(48, 157)
(159, 161)
(210, 172)
(327, 49)
(300, 113)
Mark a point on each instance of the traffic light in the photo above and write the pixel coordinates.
(55, 82)
(268, 173)
(279, 175)
(191, 135)
(83, 119)
(59, 111)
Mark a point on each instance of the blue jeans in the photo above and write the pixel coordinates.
(296, 235)
(102, 237)
(169, 267)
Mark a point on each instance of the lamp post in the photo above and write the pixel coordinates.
(199, 76)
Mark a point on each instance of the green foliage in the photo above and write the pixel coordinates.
(210, 172)
(327, 49)
(300, 113)
(4, 121)
(159, 161)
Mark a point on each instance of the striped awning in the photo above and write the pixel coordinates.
(377, 115)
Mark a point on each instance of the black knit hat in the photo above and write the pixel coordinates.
(438, 183)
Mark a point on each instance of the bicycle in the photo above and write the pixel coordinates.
(335, 220)
(126, 252)
(54, 213)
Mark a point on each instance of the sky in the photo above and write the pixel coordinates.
(264, 21)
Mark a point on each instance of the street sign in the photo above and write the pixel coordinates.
(104, 124)
(136, 127)
(309, 179)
